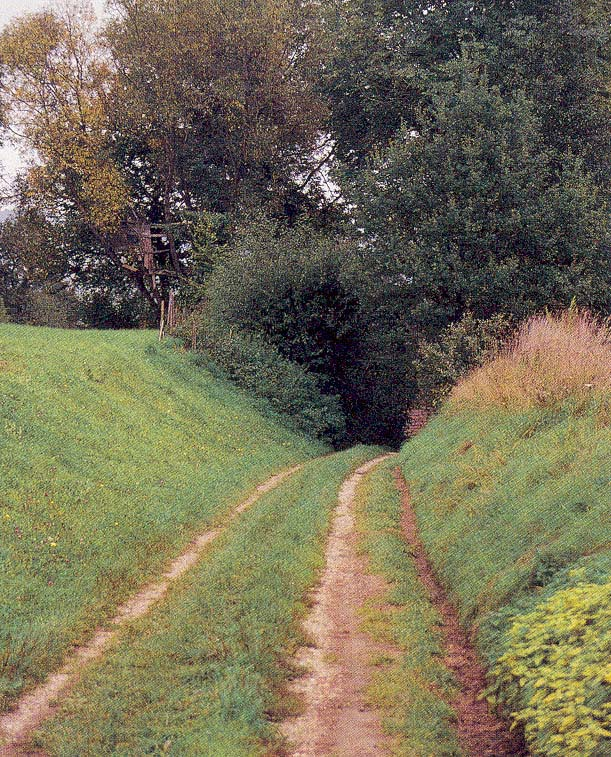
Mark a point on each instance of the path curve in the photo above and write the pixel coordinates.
(480, 732)
(37, 705)
(336, 720)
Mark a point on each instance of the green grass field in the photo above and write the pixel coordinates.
(412, 691)
(114, 451)
(203, 674)
(515, 507)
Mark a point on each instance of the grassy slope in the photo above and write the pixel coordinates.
(514, 506)
(412, 691)
(202, 675)
(113, 451)
(506, 499)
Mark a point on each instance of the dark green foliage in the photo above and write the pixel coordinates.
(49, 305)
(294, 290)
(289, 388)
(387, 53)
(369, 82)
(285, 285)
(477, 214)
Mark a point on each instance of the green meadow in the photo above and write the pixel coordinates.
(203, 674)
(114, 452)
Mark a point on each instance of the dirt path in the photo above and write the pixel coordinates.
(35, 706)
(480, 732)
(336, 720)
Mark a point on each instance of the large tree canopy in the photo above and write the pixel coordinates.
(174, 108)
(386, 54)
(475, 212)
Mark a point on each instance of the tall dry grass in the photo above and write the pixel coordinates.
(551, 358)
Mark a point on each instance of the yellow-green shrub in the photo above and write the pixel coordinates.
(556, 673)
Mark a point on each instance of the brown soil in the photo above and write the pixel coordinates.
(480, 732)
(336, 720)
(37, 705)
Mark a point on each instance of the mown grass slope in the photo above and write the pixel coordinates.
(113, 452)
(512, 487)
(203, 674)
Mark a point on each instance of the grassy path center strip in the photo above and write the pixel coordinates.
(34, 707)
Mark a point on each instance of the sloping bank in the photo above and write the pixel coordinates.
(114, 452)
(511, 484)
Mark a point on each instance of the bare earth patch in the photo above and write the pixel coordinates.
(480, 732)
(336, 720)
(37, 705)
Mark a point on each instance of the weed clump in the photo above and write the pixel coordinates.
(555, 673)
(552, 358)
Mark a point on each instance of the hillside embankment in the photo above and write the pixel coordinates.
(511, 486)
(114, 453)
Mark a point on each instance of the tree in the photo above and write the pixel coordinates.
(285, 285)
(477, 213)
(386, 54)
(55, 84)
(179, 109)
(216, 98)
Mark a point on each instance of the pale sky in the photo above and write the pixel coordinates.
(9, 157)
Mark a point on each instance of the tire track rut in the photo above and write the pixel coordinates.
(481, 733)
(336, 720)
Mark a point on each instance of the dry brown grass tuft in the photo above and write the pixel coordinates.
(551, 359)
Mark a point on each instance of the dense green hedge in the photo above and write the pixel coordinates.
(288, 388)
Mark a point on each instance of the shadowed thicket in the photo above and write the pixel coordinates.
(552, 358)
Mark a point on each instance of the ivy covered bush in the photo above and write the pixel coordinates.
(555, 673)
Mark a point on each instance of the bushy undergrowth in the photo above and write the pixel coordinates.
(114, 451)
(411, 691)
(512, 490)
(556, 675)
(289, 388)
(460, 348)
(203, 674)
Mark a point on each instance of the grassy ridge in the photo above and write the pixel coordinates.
(412, 691)
(202, 674)
(507, 499)
(512, 489)
(113, 452)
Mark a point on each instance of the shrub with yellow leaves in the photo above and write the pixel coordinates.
(556, 673)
